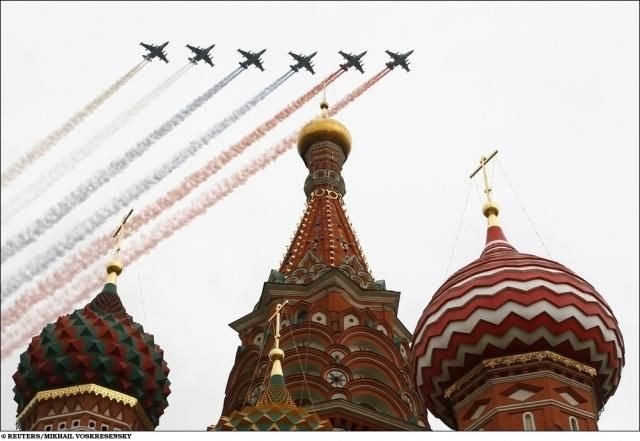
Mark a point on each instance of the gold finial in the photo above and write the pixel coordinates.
(114, 267)
(276, 355)
(490, 208)
(324, 105)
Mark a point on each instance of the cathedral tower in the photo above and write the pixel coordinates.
(94, 369)
(514, 341)
(347, 353)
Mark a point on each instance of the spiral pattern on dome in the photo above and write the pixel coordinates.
(508, 303)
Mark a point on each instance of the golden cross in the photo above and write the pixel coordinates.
(483, 163)
(276, 314)
(120, 232)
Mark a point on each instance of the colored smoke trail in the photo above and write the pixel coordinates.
(101, 245)
(82, 192)
(80, 231)
(38, 150)
(85, 150)
(85, 288)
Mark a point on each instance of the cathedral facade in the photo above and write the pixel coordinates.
(511, 341)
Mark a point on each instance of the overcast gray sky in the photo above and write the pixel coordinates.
(554, 86)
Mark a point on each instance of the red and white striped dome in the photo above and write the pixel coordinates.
(507, 303)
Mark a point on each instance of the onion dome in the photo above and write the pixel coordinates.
(324, 128)
(274, 410)
(507, 303)
(97, 345)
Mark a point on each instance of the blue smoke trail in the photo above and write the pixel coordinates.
(80, 231)
(82, 192)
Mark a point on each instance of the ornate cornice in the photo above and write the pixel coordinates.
(510, 360)
(92, 389)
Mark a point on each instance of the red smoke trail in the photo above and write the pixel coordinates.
(52, 139)
(100, 246)
(93, 281)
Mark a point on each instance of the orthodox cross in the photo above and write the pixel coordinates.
(276, 315)
(120, 232)
(483, 163)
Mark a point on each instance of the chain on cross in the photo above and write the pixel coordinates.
(483, 162)
(276, 315)
(120, 233)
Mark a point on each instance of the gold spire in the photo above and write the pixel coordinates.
(324, 105)
(490, 208)
(276, 355)
(114, 267)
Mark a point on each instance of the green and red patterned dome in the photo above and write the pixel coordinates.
(99, 344)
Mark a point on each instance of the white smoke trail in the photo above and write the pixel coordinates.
(32, 316)
(38, 150)
(82, 192)
(95, 250)
(85, 150)
(80, 231)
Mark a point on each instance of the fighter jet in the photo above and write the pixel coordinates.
(251, 58)
(155, 51)
(352, 60)
(399, 60)
(201, 54)
(303, 61)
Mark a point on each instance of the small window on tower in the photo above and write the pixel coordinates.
(528, 421)
(92, 424)
(302, 316)
(62, 426)
(48, 427)
(573, 423)
(75, 423)
(104, 427)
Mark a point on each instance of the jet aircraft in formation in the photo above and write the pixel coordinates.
(352, 60)
(251, 58)
(155, 51)
(399, 59)
(254, 58)
(303, 61)
(201, 54)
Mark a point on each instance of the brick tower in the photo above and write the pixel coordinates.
(514, 341)
(347, 353)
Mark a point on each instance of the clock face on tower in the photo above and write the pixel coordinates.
(336, 378)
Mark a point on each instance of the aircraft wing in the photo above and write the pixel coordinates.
(193, 49)
(391, 54)
(297, 57)
(244, 53)
(346, 56)
(146, 46)
(359, 67)
(311, 69)
(404, 65)
(208, 60)
(259, 65)
(162, 57)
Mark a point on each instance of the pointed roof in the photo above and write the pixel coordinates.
(325, 239)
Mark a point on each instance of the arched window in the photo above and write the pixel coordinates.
(528, 422)
(573, 424)
(302, 316)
